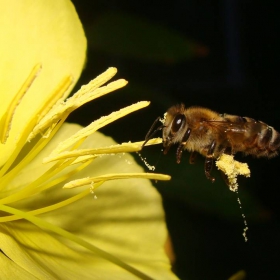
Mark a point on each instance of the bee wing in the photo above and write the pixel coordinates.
(228, 126)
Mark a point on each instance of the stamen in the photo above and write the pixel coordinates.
(85, 94)
(115, 176)
(21, 142)
(94, 126)
(31, 154)
(152, 141)
(91, 95)
(42, 183)
(6, 120)
(58, 94)
(83, 159)
(47, 208)
(96, 83)
(114, 149)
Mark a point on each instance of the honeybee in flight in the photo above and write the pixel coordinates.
(201, 130)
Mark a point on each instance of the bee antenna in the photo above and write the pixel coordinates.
(152, 132)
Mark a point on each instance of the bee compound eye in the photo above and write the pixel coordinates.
(177, 123)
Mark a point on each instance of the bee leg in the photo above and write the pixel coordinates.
(225, 178)
(192, 157)
(209, 162)
(227, 151)
(182, 145)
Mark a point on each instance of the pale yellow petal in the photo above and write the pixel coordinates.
(13, 270)
(46, 33)
(42, 256)
(123, 217)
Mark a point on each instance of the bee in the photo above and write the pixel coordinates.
(201, 130)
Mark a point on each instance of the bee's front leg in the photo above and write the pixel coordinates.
(209, 161)
(182, 145)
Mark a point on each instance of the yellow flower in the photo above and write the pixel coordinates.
(47, 232)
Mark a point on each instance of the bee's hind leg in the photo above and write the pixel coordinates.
(227, 151)
(224, 176)
(208, 165)
(192, 157)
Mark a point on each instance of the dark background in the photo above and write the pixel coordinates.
(219, 54)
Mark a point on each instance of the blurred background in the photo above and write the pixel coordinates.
(218, 54)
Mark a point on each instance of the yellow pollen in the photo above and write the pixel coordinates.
(232, 168)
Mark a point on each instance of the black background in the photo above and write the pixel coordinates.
(233, 70)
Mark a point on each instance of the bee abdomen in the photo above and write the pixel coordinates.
(274, 144)
(268, 142)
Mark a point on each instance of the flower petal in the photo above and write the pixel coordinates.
(13, 270)
(123, 217)
(46, 33)
(56, 260)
